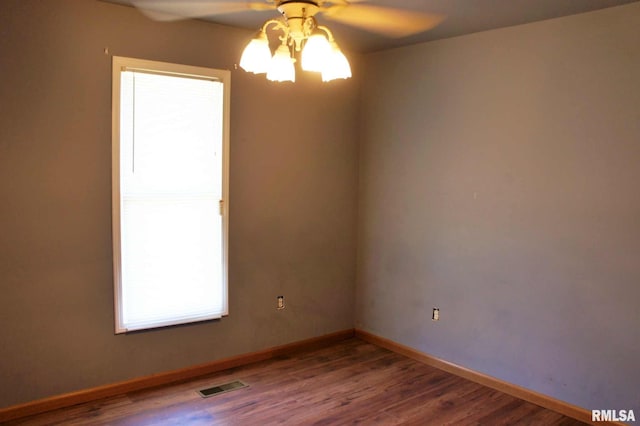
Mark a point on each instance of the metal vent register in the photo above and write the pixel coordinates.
(226, 387)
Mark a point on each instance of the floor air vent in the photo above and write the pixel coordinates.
(226, 387)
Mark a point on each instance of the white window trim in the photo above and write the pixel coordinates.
(119, 63)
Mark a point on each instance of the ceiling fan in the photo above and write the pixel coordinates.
(391, 22)
(301, 32)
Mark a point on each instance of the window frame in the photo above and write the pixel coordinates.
(119, 64)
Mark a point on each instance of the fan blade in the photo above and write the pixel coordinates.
(382, 20)
(172, 10)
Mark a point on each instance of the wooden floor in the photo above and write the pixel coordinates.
(352, 382)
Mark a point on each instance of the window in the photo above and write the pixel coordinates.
(170, 185)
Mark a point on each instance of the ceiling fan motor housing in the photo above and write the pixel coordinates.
(299, 15)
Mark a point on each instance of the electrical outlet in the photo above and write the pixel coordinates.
(435, 316)
(280, 304)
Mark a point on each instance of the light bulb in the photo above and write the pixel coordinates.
(315, 53)
(337, 65)
(256, 57)
(281, 67)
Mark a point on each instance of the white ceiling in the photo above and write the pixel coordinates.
(462, 17)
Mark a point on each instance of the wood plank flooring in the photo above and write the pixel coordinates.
(352, 382)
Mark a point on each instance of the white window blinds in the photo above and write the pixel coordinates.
(171, 230)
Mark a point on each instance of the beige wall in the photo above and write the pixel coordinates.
(499, 182)
(293, 200)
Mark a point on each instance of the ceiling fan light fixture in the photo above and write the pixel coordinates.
(299, 29)
(337, 65)
(256, 56)
(300, 33)
(315, 53)
(281, 65)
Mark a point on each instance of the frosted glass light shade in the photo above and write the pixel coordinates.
(281, 67)
(256, 57)
(337, 65)
(315, 53)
